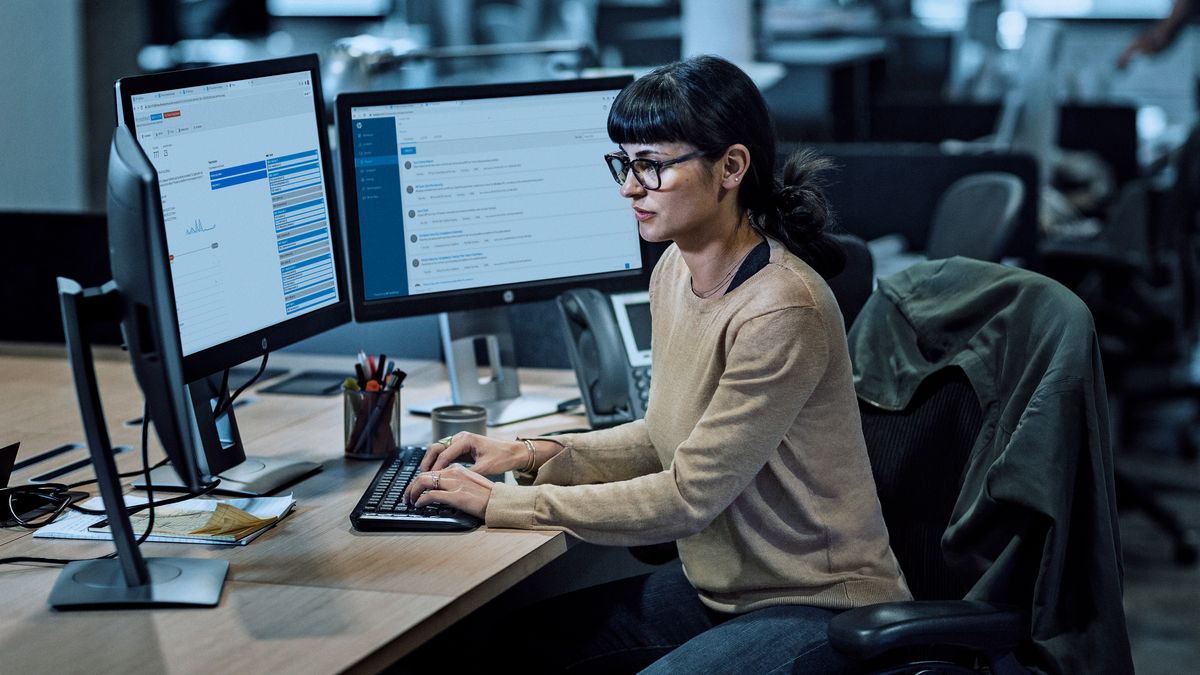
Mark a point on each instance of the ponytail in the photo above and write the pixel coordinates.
(797, 214)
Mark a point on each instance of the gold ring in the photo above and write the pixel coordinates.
(445, 441)
(436, 480)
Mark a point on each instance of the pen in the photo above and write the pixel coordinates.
(381, 403)
(362, 377)
(379, 373)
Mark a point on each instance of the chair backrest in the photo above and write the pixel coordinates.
(1032, 524)
(854, 284)
(976, 217)
(943, 415)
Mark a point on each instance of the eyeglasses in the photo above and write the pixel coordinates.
(648, 172)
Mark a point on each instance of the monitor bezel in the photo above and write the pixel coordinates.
(240, 349)
(476, 298)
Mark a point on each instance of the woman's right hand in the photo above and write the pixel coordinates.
(491, 456)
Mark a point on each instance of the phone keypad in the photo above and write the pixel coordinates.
(641, 380)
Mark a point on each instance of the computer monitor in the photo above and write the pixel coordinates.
(464, 200)
(224, 246)
(250, 235)
(141, 298)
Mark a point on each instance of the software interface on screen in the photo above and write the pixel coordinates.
(243, 197)
(465, 194)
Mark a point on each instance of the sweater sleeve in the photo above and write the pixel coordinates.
(601, 456)
(773, 366)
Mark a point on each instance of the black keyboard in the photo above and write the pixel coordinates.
(382, 506)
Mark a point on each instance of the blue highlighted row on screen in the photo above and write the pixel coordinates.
(252, 171)
(288, 158)
(238, 179)
(297, 305)
(304, 263)
(376, 160)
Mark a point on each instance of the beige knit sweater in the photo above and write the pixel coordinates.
(751, 454)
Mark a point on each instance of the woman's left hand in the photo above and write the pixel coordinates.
(454, 486)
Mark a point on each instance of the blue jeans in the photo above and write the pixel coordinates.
(657, 623)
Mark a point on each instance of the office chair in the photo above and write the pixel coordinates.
(1139, 276)
(853, 285)
(975, 217)
(983, 406)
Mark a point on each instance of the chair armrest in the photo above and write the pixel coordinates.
(867, 632)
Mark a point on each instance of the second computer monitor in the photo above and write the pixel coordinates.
(473, 198)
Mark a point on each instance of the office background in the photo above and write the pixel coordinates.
(863, 79)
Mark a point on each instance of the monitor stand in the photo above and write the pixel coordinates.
(492, 384)
(255, 477)
(129, 580)
(241, 475)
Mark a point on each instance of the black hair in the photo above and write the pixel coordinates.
(711, 104)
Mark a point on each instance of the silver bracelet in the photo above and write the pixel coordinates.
(532, 456)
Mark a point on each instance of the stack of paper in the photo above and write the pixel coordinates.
(194, 521)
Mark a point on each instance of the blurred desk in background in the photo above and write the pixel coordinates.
(826, 92)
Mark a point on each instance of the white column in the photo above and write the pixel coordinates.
(721, 27)
(43, 161)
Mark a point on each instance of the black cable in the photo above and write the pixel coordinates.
(142, 507)
(222, 391)
(146, 470)
(67, 561)
(52, 493)
(162, 462)
(219, 410)
(150, 504)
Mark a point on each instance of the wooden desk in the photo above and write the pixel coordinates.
(310, 595)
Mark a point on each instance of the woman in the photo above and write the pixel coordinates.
(751, 456)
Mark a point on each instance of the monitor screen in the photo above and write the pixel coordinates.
(247, 204)
(463, 197)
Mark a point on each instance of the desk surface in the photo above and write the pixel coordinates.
(310, 591)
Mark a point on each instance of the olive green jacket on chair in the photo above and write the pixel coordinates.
(1035, 525)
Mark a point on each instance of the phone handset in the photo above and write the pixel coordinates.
(598, 355)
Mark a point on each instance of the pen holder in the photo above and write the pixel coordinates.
(368, 438)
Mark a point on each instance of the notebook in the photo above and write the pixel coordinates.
(265, 512)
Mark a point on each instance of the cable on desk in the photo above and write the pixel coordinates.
(163, 462)
(150, 496)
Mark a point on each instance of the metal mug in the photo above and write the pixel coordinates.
(451, 419)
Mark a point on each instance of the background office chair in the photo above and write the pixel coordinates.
(983, 407)
(1139, 276)
(975, 217)
(853, 285)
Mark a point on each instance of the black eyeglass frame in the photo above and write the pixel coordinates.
(620, 175)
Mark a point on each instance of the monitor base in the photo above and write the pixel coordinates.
(502, 411)
(174, 582)
(255, 477)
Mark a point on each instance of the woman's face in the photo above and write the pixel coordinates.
(685, 204)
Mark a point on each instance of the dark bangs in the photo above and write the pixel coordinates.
(653, 109)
